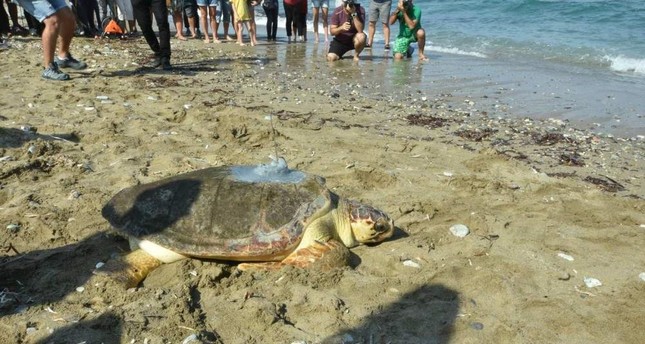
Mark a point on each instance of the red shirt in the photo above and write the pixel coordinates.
(339, 17)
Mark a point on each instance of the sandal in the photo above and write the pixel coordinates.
(387, 47)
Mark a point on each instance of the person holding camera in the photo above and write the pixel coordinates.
(347, 23)
(409, 17)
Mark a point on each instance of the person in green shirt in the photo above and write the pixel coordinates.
(409, 17)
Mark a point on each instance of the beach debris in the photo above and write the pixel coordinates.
(80, 289)
(447, 174)
(606, 184)
(99, 265)
(591, 282)
(564, 276)
(477, 326)
(14, 227)
(565, 256)
(571, 159)
(192, 337)
(6, 158)
(642, 276)
(32, 149)
(476, 134)
(74, 194)
(411, 264)
(426, 121)
(31, 330)
(459, 230)
(102, 97)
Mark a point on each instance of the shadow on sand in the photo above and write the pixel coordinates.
(425, 315)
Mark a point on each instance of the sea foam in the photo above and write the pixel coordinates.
(626, 64)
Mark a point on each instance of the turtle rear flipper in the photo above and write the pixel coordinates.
(322, 256)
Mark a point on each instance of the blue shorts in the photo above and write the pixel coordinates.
(209, 3)
(319, 3)
(41, 9)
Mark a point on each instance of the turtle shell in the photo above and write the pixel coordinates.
(215, 213)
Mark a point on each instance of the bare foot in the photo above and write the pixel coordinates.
(422, 57)
(242, 44)
(229, 38)
(356, 58)
(181, 37)
(207, 40)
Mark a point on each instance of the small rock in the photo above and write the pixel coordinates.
(31, 330)
(642, 276)
(564, 276)
(189, 339)
(459, 230)
(477, 326)
(591, 282)
(13, 227)
(80, 289)
(99, 265)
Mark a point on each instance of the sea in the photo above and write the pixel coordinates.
(577, 60)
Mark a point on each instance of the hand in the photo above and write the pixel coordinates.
(347, 26)
(400, 6)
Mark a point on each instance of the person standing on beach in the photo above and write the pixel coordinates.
(207, 12)
(270, 8)
(225, 17)
(242, 18)
(320, 8)
(143, 12)
(409, 17)
(60, 22)
(347, 23)
(379, 9)
(292, 13)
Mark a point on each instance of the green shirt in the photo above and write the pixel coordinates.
(404, 31)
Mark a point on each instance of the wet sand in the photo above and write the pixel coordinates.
(547, 205)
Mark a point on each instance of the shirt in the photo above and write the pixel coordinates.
(340, 17)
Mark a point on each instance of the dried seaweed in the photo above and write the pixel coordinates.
(426, 121)
(571, 159)
(475, 135)
(606, 184)
(550, 139)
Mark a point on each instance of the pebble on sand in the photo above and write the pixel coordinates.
(565, 256)
(591, 282)
(459, 230)
(642, 276)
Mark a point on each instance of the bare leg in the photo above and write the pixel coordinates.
(203, 23)
(325, 14)
(67, 26)
(179, 25)
(49, 37)
(359, 44)
(316, 11)
(370, 31)
(386, 33)
(421, 41)
(212, 11)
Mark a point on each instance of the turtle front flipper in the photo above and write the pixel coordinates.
(131, 269)
(322, 256)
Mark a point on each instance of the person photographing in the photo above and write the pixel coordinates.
(347, 23)
(409, 17)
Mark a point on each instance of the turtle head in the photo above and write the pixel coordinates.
(369, 225)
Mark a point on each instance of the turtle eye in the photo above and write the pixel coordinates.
(379, 227)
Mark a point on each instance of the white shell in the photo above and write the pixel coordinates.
(412, 264)
(565, 256)
(642, 276)
(591, 282)
(459, 230)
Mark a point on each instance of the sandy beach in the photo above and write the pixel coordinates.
(556, 213)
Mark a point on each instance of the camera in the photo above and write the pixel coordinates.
(350, 3)
(406, 3)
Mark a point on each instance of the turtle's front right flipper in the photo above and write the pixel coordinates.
(323, 256)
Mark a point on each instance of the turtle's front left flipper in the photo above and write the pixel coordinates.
(131, 269)
(323, 256)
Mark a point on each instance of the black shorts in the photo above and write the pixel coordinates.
(338, 48)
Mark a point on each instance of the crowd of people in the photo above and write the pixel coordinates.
(57, 22)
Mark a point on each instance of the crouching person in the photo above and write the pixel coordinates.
(347, 23)
(409, 17)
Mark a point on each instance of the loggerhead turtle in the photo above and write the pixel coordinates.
(239, 213)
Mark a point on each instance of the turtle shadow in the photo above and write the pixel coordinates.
(43, 277)
(425, 315)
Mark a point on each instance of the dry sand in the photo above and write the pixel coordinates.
(531, 192)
